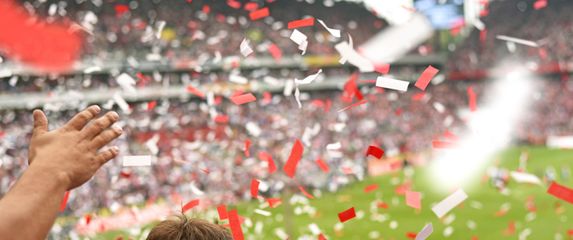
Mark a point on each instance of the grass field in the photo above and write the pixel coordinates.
(552, 218)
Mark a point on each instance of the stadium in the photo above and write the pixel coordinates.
(288, 119)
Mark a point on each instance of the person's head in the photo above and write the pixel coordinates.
(183, 228)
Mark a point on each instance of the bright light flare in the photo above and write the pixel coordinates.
(490, 129)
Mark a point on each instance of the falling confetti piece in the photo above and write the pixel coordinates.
(413, 199)
(393, 84)
(259, 14)
(375, 152)
(425, 232)
(561, 192)
(242, 99)
(137, 161)
(255, 188)
(191, 204)
(235, 224)
(449, 203)
(64, 201)
(293, 159)
(307, 22)
(426, 77)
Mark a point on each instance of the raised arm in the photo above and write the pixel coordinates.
(60, 160)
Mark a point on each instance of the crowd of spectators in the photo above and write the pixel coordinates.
(550, 27)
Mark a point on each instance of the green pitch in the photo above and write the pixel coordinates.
(479, 217)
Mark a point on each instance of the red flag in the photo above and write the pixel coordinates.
(561, 192)
(347, 215)
(293, 159)
(307, 22)
(375, 151)
(426, 77)
(235, 225)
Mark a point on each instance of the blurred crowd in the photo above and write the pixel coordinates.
(200, 146)
(202, 29)
(550, 27)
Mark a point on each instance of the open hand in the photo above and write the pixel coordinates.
(71, 152)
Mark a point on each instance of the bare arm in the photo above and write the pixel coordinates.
(60, 160)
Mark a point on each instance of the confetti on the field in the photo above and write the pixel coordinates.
(517, 40)
(426, 77)
(375, 151)
(270, 162)
(190, 205)
(323, 165)
(390, 83)
(332, 31)
(450, 202)
(48, 46)
(425, 232)
(522, 177)
(274, 202)
(371, 188)
(413, 199)
(307, 22)
(235, 224)
(259, 14)
(244, 98)
(64, 201)
(347, 215)
(561, 192)
(263, 212)
(245, 48)
(305, 193)
(255, 188)
(293, 159)
(137, 161)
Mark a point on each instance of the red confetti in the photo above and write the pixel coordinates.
(322, 164)
(382, 205)
(255, 188)
(382, 68)
(293, 159)
(276, 52)
(242, 99)
(371, 188)
(267, 157)
(441, 144)
(375, 151)
(305, 193)
(258, 14)
(234, 4)
(47, 46)
(274, 202)
(413, 199)
(353, 105)
(64, 201)
(251, 6)
(561, 192)
(307, 22)
(411, 235)
(539, 4)
(426, 77)
(347, 215)
(195, 91)
(472, 99)
(321, 237)
(235, 225)
(151, 105)
(222, 210)
(222, 119)
(247, 147)
(88, 219)
(418, 96)
(191, 204)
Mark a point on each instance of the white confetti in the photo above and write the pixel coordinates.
(333, 32)
(390, 83)
(517, 40)
(426, 232)
(245, 48)
(137, 161)
(449, 203)
(348, 53)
